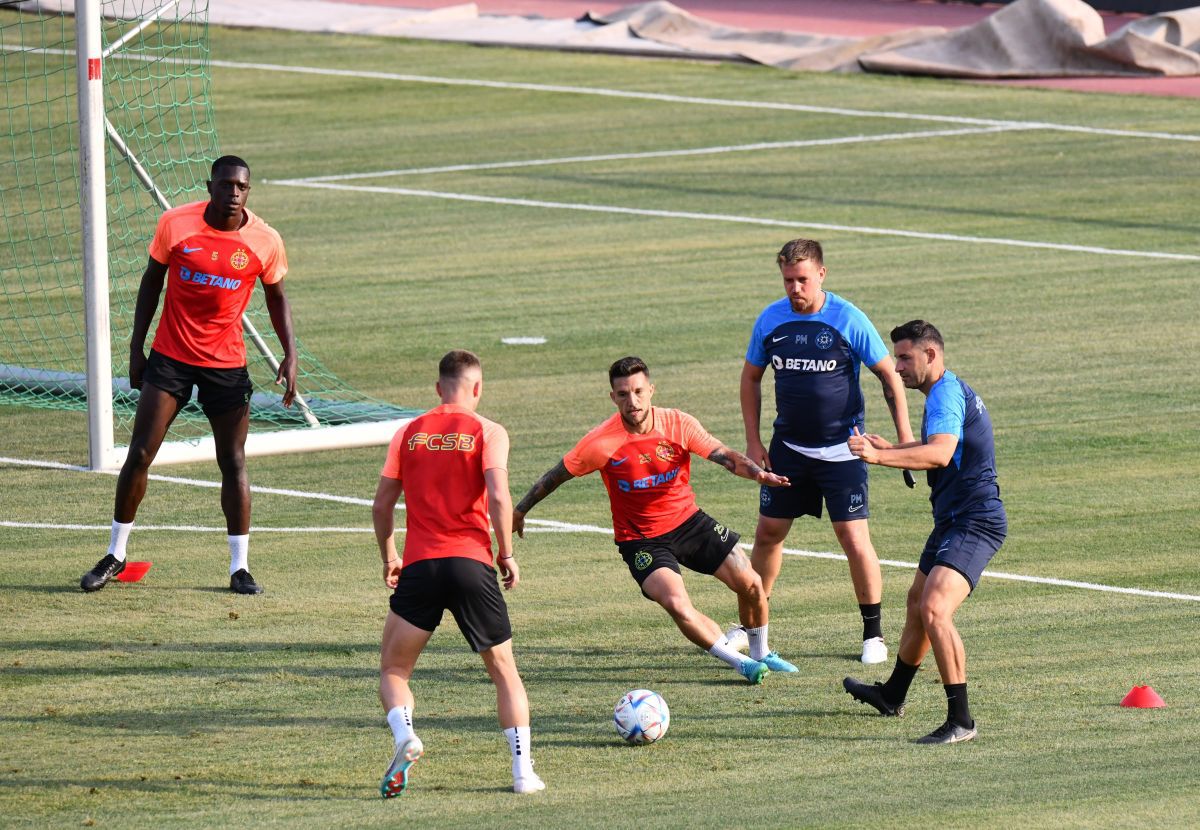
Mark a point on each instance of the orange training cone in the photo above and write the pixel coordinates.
(134, 571)
(1143, 697)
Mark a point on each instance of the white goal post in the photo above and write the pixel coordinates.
(321, 417)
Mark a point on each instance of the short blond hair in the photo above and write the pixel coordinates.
(800, 250)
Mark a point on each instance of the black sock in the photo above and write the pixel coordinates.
(957, 710)
(872, 620)
(896, 687)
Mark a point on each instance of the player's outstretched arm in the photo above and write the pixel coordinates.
(143, 314)
(541, 488)
(742, 466)
(915, 455)
(383, 515)
(281, 320)
(501, 513)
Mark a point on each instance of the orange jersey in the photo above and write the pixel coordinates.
(440, 458)
(646, 475)
(210, 278)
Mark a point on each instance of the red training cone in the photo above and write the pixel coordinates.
(1143, 697)
(134, 571)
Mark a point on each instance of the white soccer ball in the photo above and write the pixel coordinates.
(641, 716)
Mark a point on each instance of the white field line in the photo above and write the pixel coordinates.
(187, 528)
(542, 525)
(653, 96)
(650, 154)
(193, 482)
(747, 220)
(711, 102)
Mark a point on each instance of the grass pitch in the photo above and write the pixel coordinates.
(172, 703)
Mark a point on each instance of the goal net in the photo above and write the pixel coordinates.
(156, 140)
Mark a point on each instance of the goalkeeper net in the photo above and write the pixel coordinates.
(161, 139)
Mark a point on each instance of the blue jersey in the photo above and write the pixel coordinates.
(816, 360)
(967, 485)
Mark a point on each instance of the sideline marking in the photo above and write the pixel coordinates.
(688, 99)
(650, 154)
(648, 96)
(550, 526)
(189, 528)
(746, 220)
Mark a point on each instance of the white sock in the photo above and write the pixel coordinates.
(721, 650)
(239, 553)
(400, 719)
(518, 744)
(118, 538)
(758, 642)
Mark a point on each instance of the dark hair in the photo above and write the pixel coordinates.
(228, 161)
(455, 363)
(799, 250)
(627, 367)
(918, 331)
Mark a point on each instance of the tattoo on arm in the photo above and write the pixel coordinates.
(544, 486)
(888, 394)
(734, 461)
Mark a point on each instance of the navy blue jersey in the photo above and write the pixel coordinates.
(816, 359)
(968, 483)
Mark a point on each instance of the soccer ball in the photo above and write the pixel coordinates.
(641, 716)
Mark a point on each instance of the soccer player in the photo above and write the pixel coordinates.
(814, 341)
(209, 255)
(452, 465)
(643, 453)
(969, 525)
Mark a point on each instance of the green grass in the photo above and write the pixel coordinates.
(172, 703)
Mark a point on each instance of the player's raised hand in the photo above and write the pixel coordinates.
(510, 574)
(862, 446)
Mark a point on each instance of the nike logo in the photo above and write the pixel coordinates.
(777, 339)
(617, 462)
(854, 509)
(188, 250)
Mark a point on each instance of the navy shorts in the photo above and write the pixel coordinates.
(841, 484)
(464, 586)
(966, 545)
(218, 390)
(700, 544)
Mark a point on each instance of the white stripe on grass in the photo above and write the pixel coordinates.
(699, 101)
(649, 154)
(537, 525)
(650, 96)
(187, 528)
(746, 220)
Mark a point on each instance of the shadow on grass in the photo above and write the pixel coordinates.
(158, 785)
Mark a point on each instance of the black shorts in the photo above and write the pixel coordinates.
(966, 545)
(218, 390)
(466, 587)
(699, 544)
(842, 485)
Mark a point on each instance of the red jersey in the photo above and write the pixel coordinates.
(646, 475)
(440, 457)
(210, 278)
